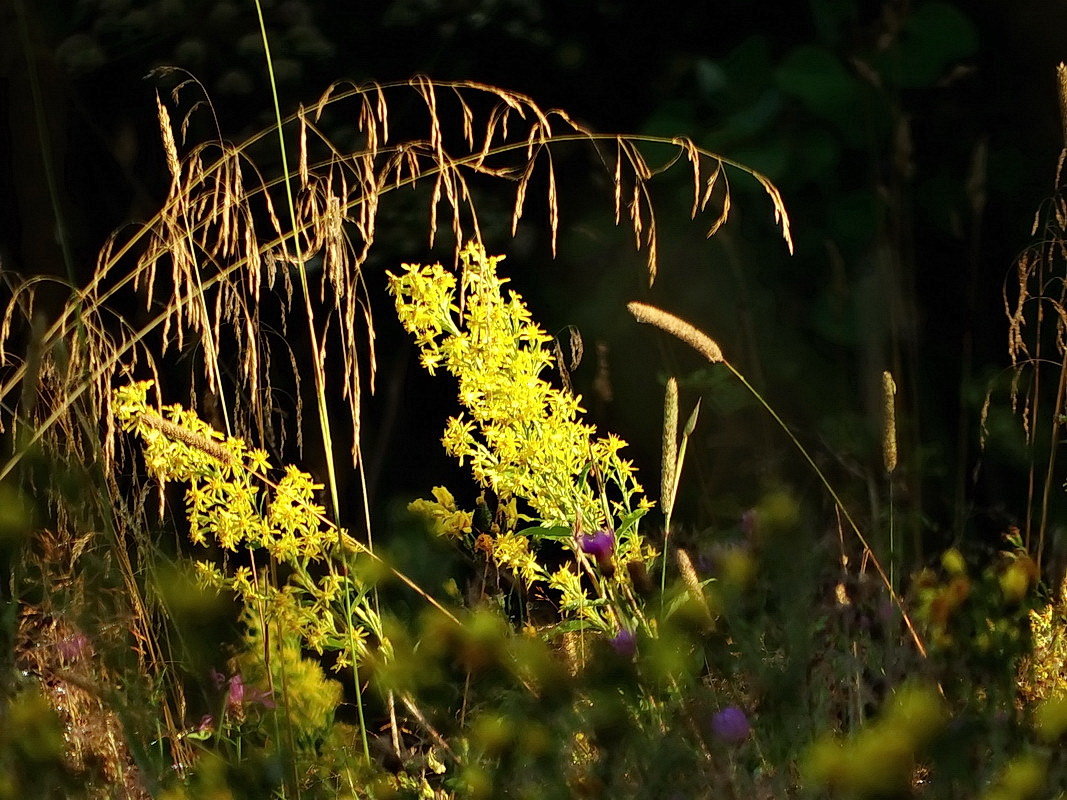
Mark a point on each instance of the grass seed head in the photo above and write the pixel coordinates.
(679, 328)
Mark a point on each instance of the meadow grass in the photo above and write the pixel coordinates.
(190, 613)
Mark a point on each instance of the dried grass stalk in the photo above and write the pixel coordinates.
(180, 434)
(692, 584)
(206, 264)
(1061, 78)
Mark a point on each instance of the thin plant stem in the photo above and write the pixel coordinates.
(213, 356)
(663, 561)
(840, 504)
(320, 378)
(892, 538)
(1057, 410)
(889, 460)
(705, 345)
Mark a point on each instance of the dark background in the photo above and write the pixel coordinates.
(913, 143)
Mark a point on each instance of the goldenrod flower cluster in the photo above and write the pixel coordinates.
(512, 551)
(1044, 673)
(231, 501)
(312, 698)
(442, 514)
(524, 439)
(574, 602)
(521, 436)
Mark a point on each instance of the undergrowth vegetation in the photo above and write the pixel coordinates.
(200, 600)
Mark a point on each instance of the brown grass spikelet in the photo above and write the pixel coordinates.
(573, 652)
(1061, 79)
(780, 215)
(689, 334)
(692, 583)
(170, 149)
(889, 422)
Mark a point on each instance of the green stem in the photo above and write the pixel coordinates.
(837, 500)
(663, 560)
(892, 540)
(320, 388)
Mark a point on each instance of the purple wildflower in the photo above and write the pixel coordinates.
(241, 696)
(235, 696)
(600, 545)
(238, 695)
(217, 678)
(730, 725)
(624, 643)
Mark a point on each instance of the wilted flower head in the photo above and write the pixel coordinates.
(730, 725)
(600, 545)
(624, 642)
(73, 647)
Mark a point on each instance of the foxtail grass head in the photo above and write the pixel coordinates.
(679, 328)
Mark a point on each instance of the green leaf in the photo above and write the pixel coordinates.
(818, 79)
(556, 532)
(935, 36)
(691, 423)
(630, 520)
(681, 598)
(572, 625)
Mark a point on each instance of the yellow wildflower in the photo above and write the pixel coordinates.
(442, 514)
(224, 506)
(513, 552)
(522, 436)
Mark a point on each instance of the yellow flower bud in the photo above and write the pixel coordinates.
(1015, 581)
(952, 561)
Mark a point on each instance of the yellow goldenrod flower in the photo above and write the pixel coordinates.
(231, 502)
(521, 436)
